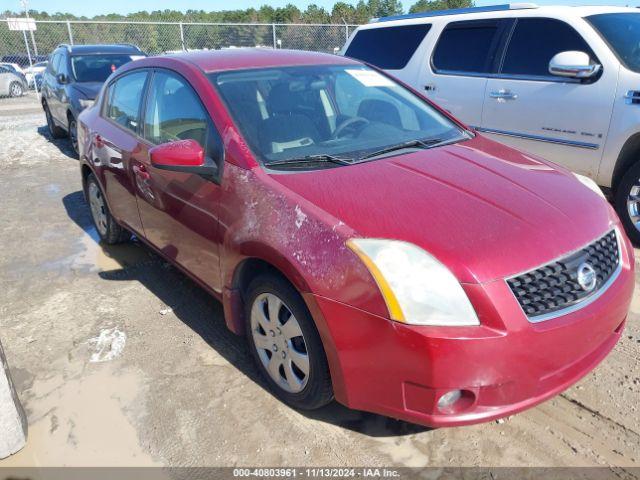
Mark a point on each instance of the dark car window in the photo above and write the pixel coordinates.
(174, 112)
(622, 32)
(535, 41)
(97, 67)
(52, 66)
(124, 99)
(468, 46)
(389, 47)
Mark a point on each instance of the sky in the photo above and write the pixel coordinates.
(95, 7)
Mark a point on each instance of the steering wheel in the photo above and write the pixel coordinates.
(349, 123)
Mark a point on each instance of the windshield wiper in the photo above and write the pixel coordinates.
(320, 158)
(401, 146)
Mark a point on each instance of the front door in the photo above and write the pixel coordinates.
(179, 211)
(562, 120)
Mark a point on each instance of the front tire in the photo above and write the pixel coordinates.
(107, 227)
(285, 343)
(16, 90)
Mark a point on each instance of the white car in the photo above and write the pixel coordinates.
(561, 82)
(31, 72)
(13, 66)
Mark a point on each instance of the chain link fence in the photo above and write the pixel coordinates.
(161, 37)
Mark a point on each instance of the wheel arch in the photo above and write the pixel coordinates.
(629, 155)
(256, 259)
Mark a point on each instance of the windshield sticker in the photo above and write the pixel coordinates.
(136, 57)
(370, 78)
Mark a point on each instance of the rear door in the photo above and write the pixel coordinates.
(563, 120)
(117, 140)
(466, 53)
(179, 211)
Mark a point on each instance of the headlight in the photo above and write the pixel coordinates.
(85, 103)
(590, 184)
(416, 287)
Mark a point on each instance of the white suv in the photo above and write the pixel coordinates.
(560, 82)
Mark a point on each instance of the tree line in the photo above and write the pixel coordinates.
(340, 13)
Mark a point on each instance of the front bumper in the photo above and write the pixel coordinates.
(503, 366)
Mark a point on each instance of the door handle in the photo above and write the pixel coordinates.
(504, 94)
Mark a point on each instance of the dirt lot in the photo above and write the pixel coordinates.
(121, 360)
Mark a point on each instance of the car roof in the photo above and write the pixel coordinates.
(96, 49)
(497, 11)
(246, 58)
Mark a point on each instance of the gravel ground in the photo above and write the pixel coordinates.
(121, 360)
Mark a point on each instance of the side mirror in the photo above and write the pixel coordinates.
(573, 64)
(186, 156)
(62, 78)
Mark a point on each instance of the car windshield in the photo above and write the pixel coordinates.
(622, 32)
(98, 67)
(334, 114)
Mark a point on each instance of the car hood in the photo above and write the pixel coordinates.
(484, 215)
(88, 89)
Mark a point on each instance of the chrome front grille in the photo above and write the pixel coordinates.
(548, 290)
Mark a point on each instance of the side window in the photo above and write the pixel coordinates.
(387, 47)
(535, 41)
(124, 99)
(468, 46)
(174, 112)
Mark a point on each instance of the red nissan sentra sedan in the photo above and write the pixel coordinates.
(372, 248)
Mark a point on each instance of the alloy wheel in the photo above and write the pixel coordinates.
(279, 341)
(633, 204)
(16, 90)
(98, 208)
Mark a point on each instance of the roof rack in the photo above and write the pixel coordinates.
(133, 45)
(458, 11)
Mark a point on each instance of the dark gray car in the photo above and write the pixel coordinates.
(73, 78)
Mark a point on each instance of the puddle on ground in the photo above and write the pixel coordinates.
(94, 256)
(81, 422)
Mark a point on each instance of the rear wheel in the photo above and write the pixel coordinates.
(15, 89)
(627, 202)
(54, 130)
(108, 229)
(285, 343)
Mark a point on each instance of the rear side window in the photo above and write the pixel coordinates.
(124, 99)
(468, 46)
(534, 43)
(388, 48)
